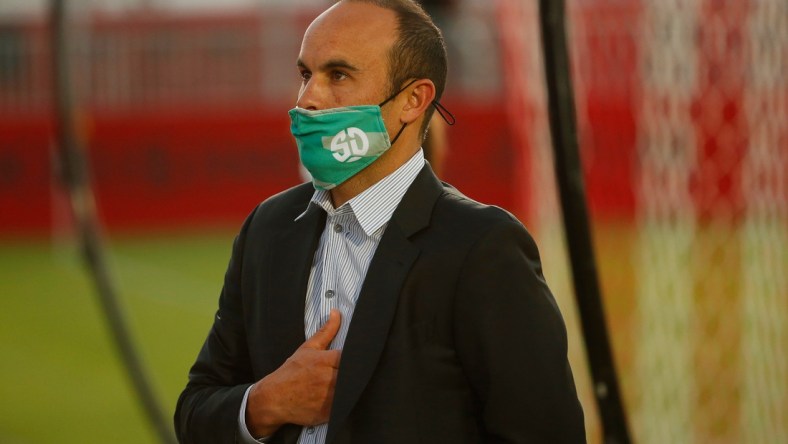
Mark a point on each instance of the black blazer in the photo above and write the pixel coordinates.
(455, 337)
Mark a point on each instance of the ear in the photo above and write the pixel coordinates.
(419, 97)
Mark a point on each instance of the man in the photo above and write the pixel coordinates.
(378, 305)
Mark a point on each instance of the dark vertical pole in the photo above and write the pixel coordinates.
(74, 174)
(569, 175)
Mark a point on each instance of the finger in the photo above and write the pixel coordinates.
(323, 337)
(332, 358)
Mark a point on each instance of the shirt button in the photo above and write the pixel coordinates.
(338, 228)
(310, 430)
(330, 294)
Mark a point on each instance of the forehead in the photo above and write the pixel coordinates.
(358, 32)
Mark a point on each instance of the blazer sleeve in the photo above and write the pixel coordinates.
(512, 342)
(208, 408)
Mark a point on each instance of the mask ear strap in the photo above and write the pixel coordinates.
(447, 116)
(399, 133)
(397, 93)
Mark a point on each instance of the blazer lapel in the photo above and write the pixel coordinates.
(289, 274)
(377, 302)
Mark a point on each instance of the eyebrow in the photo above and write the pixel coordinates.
(331, 64)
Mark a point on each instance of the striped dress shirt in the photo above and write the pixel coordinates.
(350, 237)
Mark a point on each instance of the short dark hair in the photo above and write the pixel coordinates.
(418, 53)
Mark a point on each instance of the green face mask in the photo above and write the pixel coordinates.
(336, 144)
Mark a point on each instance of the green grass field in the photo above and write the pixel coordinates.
(61, 379)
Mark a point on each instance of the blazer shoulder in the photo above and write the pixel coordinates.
(471, 214)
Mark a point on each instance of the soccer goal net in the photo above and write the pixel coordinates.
(683, 121)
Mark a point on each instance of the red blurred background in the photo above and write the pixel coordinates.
(185, 117)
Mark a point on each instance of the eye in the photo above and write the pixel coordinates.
(305, 75)
(338, 75)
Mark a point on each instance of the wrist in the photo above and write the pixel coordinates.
(262, 418)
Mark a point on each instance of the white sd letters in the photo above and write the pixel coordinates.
(349, 145)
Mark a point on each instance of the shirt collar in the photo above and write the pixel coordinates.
(374, 206)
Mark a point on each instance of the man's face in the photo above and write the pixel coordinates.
(344, 57)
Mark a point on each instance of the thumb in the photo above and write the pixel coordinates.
(323, 337)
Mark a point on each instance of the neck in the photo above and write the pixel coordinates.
(389, 162)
